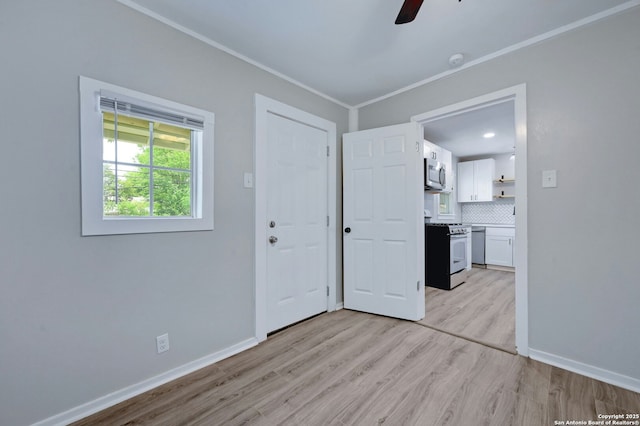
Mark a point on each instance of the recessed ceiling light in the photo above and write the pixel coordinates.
(488, 135)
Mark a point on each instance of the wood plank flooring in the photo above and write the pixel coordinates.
(482, 309)
(352, 368)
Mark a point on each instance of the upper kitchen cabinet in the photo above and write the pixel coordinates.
(432, 150)
(447, 159)
(475, 180)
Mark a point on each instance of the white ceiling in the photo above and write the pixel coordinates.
(352, 52)
(462, 134)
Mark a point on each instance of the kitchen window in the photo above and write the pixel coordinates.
(445, 206)
(147, 163)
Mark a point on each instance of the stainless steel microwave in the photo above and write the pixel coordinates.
(434, 175)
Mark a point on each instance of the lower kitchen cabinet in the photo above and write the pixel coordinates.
(499, 245)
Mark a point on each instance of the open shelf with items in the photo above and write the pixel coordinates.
(502, 183)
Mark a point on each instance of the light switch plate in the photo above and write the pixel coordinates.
(248, 180)
(549, 179)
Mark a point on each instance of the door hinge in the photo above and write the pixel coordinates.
(328, 150)
(327, 221)
(327, 291)
(418, 286)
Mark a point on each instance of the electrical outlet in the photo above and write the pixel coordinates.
(162, 343)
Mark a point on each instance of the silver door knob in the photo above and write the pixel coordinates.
(273, 239)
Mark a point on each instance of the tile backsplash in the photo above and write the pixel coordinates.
(499, 211)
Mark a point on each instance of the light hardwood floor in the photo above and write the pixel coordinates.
(482, 309)
(351, 368)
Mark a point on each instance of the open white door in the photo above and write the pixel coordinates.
(383, 221)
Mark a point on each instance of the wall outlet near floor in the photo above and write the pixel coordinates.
(162, 343)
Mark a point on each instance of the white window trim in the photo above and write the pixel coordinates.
(93, 222)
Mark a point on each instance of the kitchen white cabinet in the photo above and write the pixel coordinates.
(447, 159)
(432, 150)
(475, 180)
(499, 246)
(466, 182)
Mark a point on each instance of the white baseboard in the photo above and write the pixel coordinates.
(339, 306)
(597, 373)
(116, 397)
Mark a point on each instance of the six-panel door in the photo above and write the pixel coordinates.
(383, 223)
(296, 222)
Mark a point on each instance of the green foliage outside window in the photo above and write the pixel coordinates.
(171, 188)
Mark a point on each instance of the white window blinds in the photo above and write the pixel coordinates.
(116, 105)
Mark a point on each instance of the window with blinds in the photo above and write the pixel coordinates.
(147, 163)
(153, 161)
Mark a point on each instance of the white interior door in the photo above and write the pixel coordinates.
(296, 221)
(383, 221)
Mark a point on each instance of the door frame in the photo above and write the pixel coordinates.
(263, 107)
(517, 94)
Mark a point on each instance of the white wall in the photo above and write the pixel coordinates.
(79, 316)
(505, 166)
(583, 101)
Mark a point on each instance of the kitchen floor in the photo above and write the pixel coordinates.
(482, 309)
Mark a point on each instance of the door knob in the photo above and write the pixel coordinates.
(347, 230)
(273, 239)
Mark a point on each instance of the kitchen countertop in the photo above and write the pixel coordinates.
(491, 225)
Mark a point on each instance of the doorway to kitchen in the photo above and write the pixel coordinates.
(451, 310)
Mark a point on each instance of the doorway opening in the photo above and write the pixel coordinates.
(514, 100)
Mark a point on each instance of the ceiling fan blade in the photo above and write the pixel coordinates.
(408, 11)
